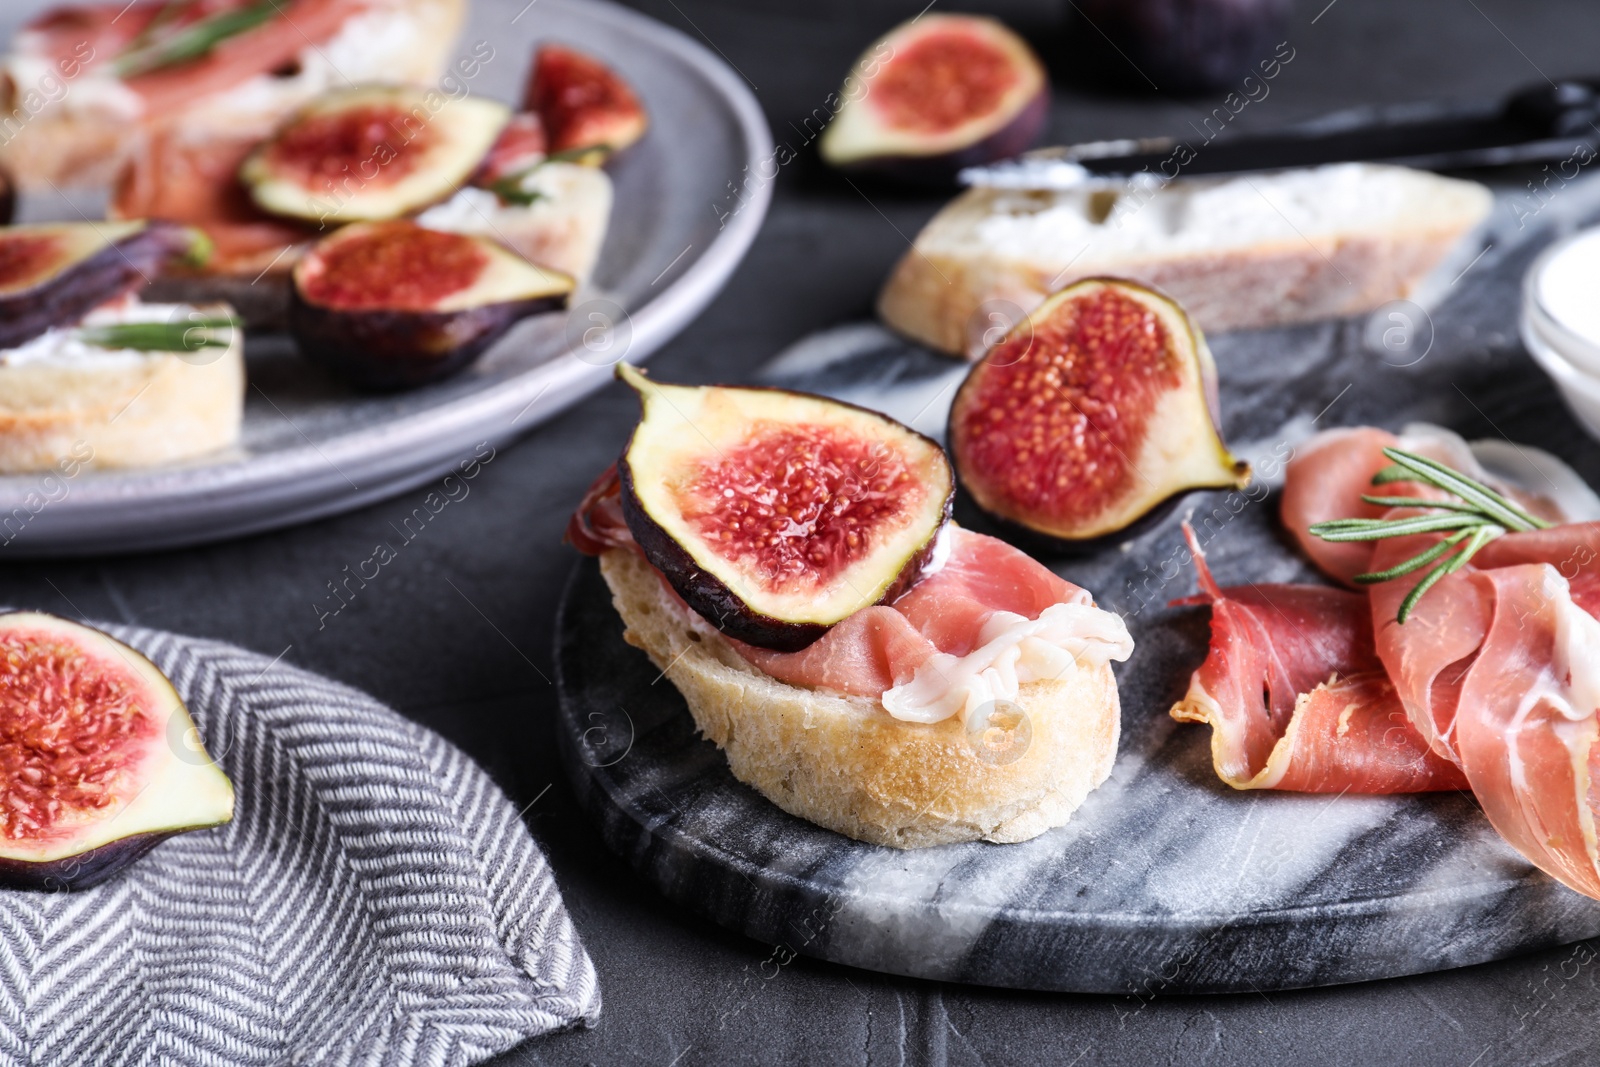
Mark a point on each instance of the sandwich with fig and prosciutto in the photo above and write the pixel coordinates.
(788, 561)
(84, 86)
(530, 179)
(90, 374)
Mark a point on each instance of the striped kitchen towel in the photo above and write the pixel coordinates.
(376, 900)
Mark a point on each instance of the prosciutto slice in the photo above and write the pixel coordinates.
(987, 620)
(1497, 667)
(1296, 697)
(95, 34)
(1526, 721)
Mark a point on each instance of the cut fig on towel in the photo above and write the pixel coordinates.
(774, 514)
(936, 94)
(374, 152)
(390, 305)
(1090, 415)
(588, 111)
(53, 274)
(101, 760)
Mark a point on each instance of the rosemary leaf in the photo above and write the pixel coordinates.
(189, 335)
(1479, 537)
(1393, 473)
(1417, 590)
(1488, 501)
(193, 41)
(1415, 563)
(1416, 502)
(1379, 529)
(1478, 515)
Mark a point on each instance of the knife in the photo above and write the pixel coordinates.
(1553, 121)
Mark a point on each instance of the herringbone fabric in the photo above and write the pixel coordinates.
(376, 900)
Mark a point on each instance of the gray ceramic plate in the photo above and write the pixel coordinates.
(310, 448)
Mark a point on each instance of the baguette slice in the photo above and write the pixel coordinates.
(122, 411)
(844, 763)
(1237, 253)
(562, 228)
(81, 134)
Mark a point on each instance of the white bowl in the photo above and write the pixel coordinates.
(1580, 389)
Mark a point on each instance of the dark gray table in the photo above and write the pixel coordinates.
(457, 631)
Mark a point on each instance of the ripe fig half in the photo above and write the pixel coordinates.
(936, 94)
(775, 514)
(55, 273)
(1090, 414)
(588, 111)
(374, 152)
(390, 305)
(99, 754)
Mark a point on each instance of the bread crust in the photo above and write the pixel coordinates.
(935, 291)
(844, 763)
(162, 408)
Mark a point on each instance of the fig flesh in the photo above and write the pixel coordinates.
(1090, 414)
(589, 112)
(99, 754)
(936, 94)
(391, 305)
(53, 274)
(521, 145)
(374, 152)
(775, 514)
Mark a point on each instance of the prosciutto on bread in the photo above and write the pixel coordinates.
(972, 700)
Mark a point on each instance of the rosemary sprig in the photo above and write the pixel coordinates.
(193, 41)
(189, 335)
(1477, 516)
(512, 188)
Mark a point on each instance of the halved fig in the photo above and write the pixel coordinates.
(390, 305)
(936, 94)
(100, 758)
(1090, 414)
(775, 514)
(375, 152)
(584, 104)
(53, 274)
(521, 145)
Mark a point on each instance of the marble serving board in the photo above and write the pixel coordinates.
(1165, 880)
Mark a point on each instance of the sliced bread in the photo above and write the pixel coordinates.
(121, 408)
(1240, 252)
(844, 763)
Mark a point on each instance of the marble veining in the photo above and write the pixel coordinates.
(1165, 880)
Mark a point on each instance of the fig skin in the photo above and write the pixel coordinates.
(583, 104)
(1227, 472)
(397, 335)
(171, 794)
(711, 598)
(859, 141)
(1037, 543)
(8, 197)
(1184, 47)
(721, 606)
(85, 870)
(941, 171)
(386, 351)
(66, 296)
